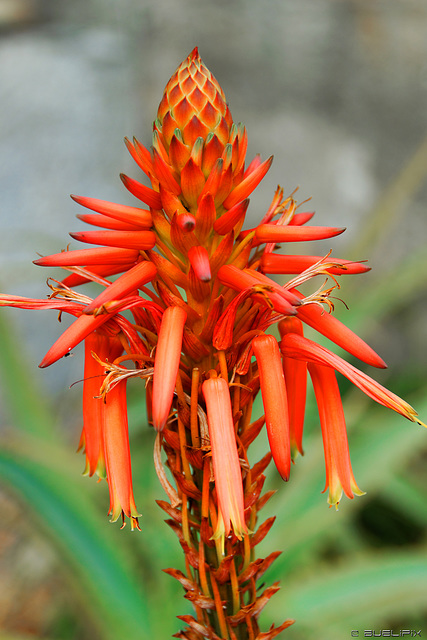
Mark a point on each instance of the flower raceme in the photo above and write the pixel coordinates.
(192, 334)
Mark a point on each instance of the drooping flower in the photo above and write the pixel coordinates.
(225, 458)
(295, 373)
(167, 363)
(339, 475)
(92, 439)
(275, 398)
(117, 456)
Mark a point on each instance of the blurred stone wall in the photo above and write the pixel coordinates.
(336, 89)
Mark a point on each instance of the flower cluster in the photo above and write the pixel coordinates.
(192, 334)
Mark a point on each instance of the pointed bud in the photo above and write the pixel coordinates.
(290, 264)
(140, 191)
(132, 279)
(199, 260)
(332, 328)
(102, 271)
(99, 220)
(179, 152)
(285, 233)
(274, 398)
(301, 218)
(80, 329)
(83, 257)
(272, 293)
(141, 155)
(192, 182)
(295, 372)
(248, 184)
(230, 218)
(131, 215)
(205, 217)
(139, 240)
(164, 174)
(166, 364)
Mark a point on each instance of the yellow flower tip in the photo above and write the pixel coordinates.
(86, 470)
(336, 492)
(134, 524)
(295, 453)
(418, 421)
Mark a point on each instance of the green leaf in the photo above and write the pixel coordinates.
(24, 400)
(106, 580)
(358, 594)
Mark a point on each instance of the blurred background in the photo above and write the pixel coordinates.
(337, 91)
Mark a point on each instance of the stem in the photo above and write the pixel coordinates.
(222, 572)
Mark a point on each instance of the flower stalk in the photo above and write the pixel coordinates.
(187, 311)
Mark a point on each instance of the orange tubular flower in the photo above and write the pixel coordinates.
(274, 397)
(296, 384)
(225, 459)
(104, 347)
(339, 475)
(198, 304)
(117, 456)
(166, 364)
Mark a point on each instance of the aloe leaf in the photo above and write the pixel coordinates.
(358, 594)
(112, 596)
(22, 395)
(408, 498)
